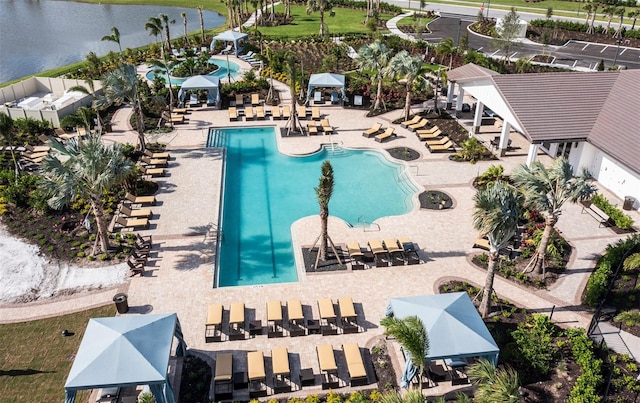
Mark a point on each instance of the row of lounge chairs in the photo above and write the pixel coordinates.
(139, 255)
(227, 380)
(250, 113)
(249, 58)
(255, 100)
(379, 133)
(296, 323)
(394, 252)
(435, 140)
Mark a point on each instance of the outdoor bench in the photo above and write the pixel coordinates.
(595, 212)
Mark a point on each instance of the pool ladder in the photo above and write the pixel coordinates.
(367, 225)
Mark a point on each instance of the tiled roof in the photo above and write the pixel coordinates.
(470, 71)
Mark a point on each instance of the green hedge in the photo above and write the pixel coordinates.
(622, 220)
(587, 385)
(599, 280)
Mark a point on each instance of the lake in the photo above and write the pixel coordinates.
(40, 35)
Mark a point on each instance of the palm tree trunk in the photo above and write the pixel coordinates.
(321, 22)
(407, 101)
(376, 106)
(203, 39)
(549, 223)
(137, 109)
(324, 242)
(593, 19)
(98, 212)
(485, 305)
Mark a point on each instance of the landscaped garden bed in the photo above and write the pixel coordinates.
(403, 153)
(435, 200)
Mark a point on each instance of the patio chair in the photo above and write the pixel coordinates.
(281, 370)
(448, 146)
(317, 97)
(326, 126)
(315, 113)
(236, 321)
(335, 97)
(274, 319)
(327, 317)
(239, 100)
(420, 125)
(379, 253)
(212, 326)
(438, 142)
(396, 253)
(132, 222)
(156, 162)
(410, 252)
(225, 50)
(348, 315)
(248, 55)
(302, 112)
(312, 128)
(151, 154)
(223, 377)
(180, 111)
(374, 130)
(135, 267)
(275, 113)
(411, 121)
(390, 132)
(355, 365)
(233, 113)
(260, 112)
(135, 213)
(295, 317)
(356, 255)
(140, 199)
(430, 136)
(37, 149)
(286, 112)
(328, 367)
(482, 243)
(248, 113)
(153, 172)
(255, 99)
(257, 374)
(193, 100)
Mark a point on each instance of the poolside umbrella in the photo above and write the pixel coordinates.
(409, 372)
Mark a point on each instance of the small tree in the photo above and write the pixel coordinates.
(322, 6)
(375, 57)
(508, 32)
(114, 37)
(494, 384)
(324, 192)
(412, 335)
(6, 130)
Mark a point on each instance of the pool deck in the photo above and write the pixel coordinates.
(179, 277)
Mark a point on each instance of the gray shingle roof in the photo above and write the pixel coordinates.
(470, 71)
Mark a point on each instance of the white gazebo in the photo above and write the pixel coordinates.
(230, 36)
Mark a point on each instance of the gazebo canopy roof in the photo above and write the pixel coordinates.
(454, 326)
(204, 82)
(326, 80)
(230, 35)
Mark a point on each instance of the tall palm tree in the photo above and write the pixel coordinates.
(494, 384)
(165, 24)
(587, 9)
(202, 36)
(445, 48)
(412, 69)
(634, 15)
(412, 335)
(321, 6)
(547, 190)
(97, 103)
(324, 192)
(86, 169)
(375, 57)
(6, 131)
(114, 37)
(594, 6)
(292, 73)
(184, 23)
(154, 26)
(122, 86)
(609, 12)
(495, 215)
(620, 12)
(166, 66)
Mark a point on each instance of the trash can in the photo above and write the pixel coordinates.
(628, 203)
(121, 302)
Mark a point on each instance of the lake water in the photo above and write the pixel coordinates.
(44, 34)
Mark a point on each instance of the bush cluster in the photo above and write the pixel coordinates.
(586, 387)
(534, 340)
(622, 220)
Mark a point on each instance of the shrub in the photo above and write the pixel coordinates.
(630, 318)
(622, 220)
(587, 384)
(472, 150)
(533, 339)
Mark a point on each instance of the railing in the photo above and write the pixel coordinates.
(365, 224)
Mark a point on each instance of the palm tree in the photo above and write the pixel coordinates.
(546, 190)
(122, 86)
(89, 169)
(324, 192)
(410, 396)
(496, 211)
(620, 11)
(412, 69)
(6, 130)
(375, 57)
(154, 26)
(587, 9)
(292, 73)
(202, 36)
(184, 23)
(165, 24)
(97, 103)
(412, 335)
(595, 5)
(114, 37)
(445, 48)
(321, 6)
(609, 12)
(494, 385)
(634, 15)
(166, 66)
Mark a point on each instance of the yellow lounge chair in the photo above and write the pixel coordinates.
(380, 254)
(140, 199)
(315, 113)
(427, 131)
(255, 99)
(152, 171)
(328, 367)
(37, 149)
(236, 321)
(214, 322)
(373, 130)
(137, 213)
(313, 129)
(438, 142)
(430, 136)
(356, 255)
(448, 146)
(390, 132)
(151, 154)
(180, 111)
(248, 113)
(281, 369)
(302, 112)
(411, 121)
(233, 113)
(260, 112)
(154, 161)
(132, 222)
(286, 112)
(326, 126)
(421, 124)
(355, 365)
(275, 113)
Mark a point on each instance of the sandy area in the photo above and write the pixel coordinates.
(25, 275)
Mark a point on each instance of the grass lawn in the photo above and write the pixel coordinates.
(412, 21)
(346, 20)
(35, 358)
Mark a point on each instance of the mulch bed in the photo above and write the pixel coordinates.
(561, 36)
(435, 200)
(330, 264)
(403, 153)
(387, 378)
(195, 380)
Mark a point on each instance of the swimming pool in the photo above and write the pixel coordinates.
(265, 192)
(222, 72)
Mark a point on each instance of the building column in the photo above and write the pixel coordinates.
(533, 154)
(450, 87)
(460, 99)
(504, 138)
(477, 118)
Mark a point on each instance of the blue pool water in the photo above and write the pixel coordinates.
(222, 72)
(265, 192)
